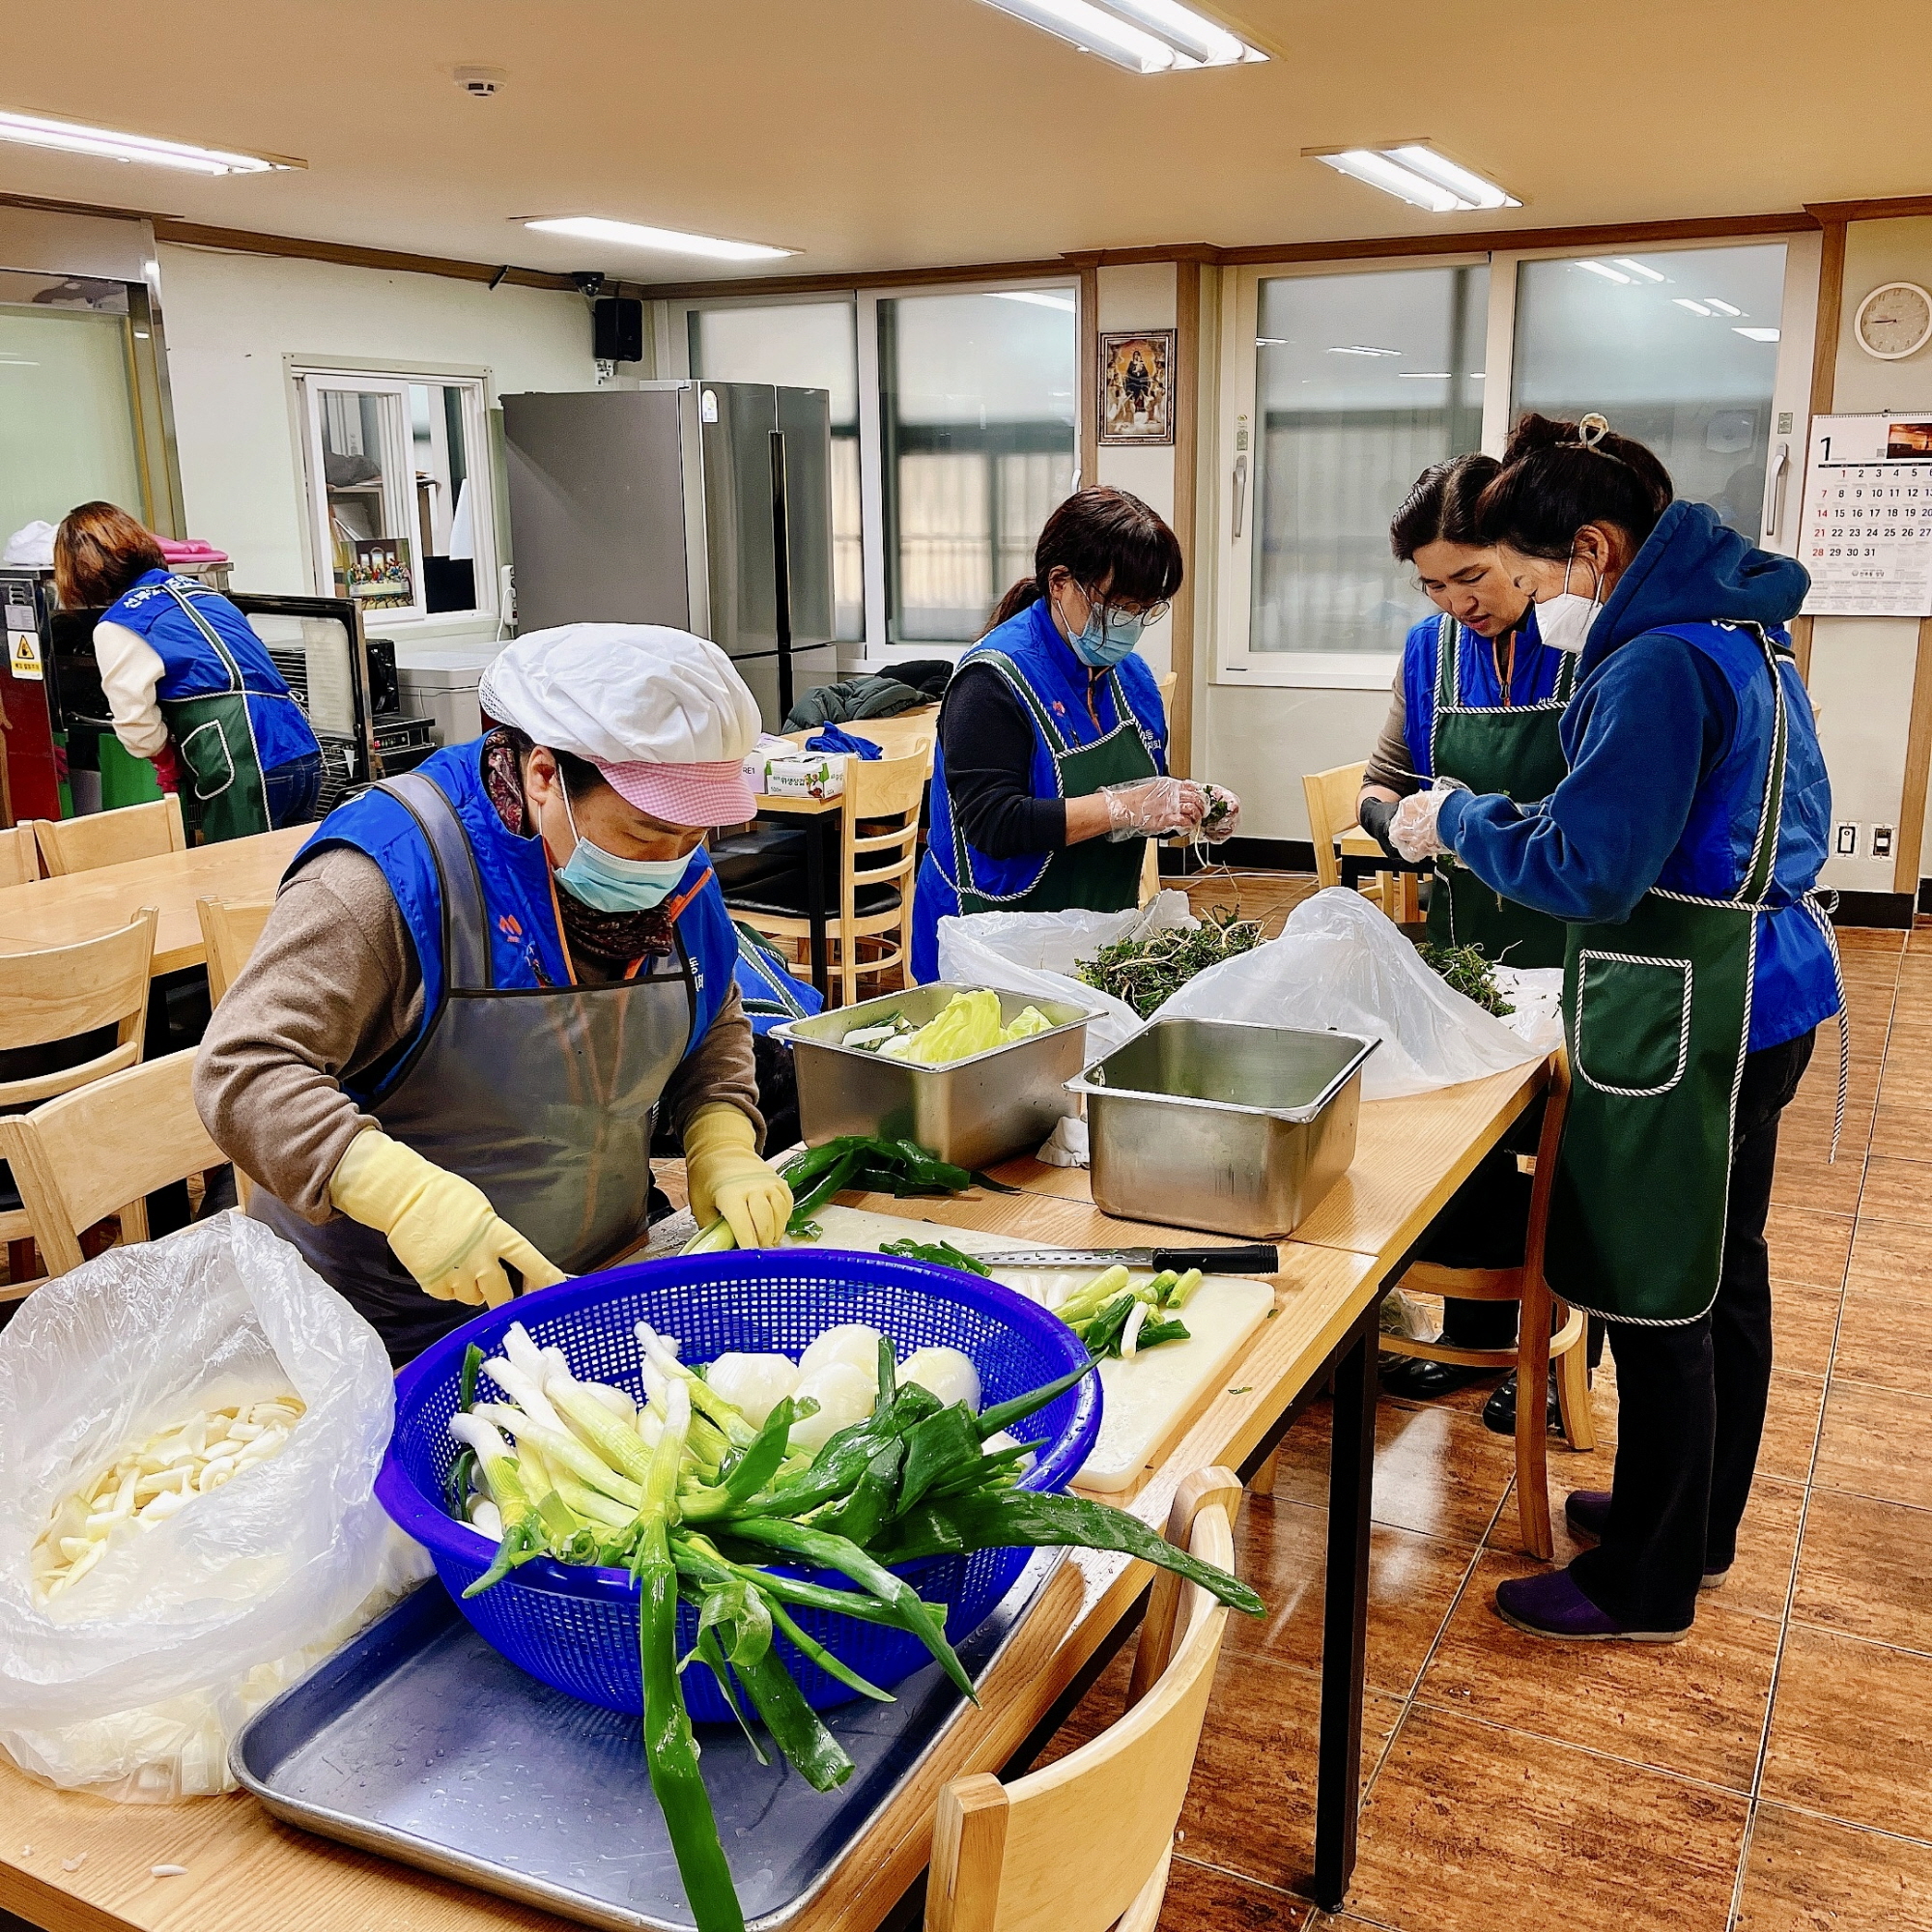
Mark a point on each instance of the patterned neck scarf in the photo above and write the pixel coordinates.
(610, 940)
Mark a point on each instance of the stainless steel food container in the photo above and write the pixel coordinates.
(972, 1113)
(1222, 1124)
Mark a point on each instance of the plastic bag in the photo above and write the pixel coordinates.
(134, 1681)
(1535, 992)
(1034, 953)
(1340, 963)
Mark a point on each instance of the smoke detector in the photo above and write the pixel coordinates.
(481, 83)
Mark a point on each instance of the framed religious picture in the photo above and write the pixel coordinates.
(1136, 400)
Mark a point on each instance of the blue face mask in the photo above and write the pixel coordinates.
(1103, 643)
(610, 884)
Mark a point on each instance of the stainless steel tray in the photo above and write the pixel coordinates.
(419, 1742)
(973, 1112)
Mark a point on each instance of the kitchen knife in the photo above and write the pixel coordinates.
(1256, 1259)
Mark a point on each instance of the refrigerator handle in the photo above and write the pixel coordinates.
(782, 569)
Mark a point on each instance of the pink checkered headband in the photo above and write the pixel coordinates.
(704, 795)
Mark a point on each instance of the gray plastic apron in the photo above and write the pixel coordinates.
(542, 1097)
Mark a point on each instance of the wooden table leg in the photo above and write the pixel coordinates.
(1345, 1616)
(819, 832)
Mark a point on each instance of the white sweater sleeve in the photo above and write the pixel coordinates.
(129, 670)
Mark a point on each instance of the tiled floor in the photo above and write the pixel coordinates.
(1773, 1774)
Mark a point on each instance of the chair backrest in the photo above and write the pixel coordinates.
(1072, 1847)
(229, 931)
(19, 856)
(103, 1147)
(877, 793)
(70, 990)
(110, 838)
(1331, 797)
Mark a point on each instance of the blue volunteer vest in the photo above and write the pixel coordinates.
(192, 668)
(526, 944)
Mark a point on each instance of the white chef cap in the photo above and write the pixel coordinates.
(661, 713)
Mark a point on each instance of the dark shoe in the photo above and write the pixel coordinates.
(1587, 1511)
(1415, 1380)
(1500, 1412)
(1551, 1606)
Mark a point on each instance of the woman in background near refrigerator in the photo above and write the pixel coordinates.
(1050, 774)
(188, 683)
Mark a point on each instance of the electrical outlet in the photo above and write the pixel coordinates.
(1845, 841)
(1880, 842)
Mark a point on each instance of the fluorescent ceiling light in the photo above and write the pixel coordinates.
(1722, 308)
(1039, 297)
(1608, 274)
(669, 241)
(1141, 35)
(1685, 301)
(1758, 334)
(1474, 191)
(73, 138)
(1638, 269)
(1271, 342)
(1415, 173)
(1423, 374)
(1363, 348)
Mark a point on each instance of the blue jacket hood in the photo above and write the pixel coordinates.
(1694, 570)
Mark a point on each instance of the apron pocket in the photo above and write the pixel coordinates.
(1633, 1023)
(206, 754)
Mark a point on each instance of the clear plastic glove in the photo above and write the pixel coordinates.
(440, 1226)
(1217, 825)
(1153, 809)
(1412, 828)
(724, 1175)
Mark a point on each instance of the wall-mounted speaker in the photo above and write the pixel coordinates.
(617, 329)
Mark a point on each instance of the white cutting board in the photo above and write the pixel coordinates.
(1148, 1401)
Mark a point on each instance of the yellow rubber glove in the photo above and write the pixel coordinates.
(440, 1226)
(726, 1177)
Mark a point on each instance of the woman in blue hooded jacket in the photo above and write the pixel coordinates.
(1680, 850)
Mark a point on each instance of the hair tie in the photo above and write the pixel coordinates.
(1590, 432)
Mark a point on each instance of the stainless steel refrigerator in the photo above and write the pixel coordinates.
(706, 505)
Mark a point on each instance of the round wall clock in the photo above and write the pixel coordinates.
(1894, 321)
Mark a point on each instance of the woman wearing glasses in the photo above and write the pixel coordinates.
(1051, 770)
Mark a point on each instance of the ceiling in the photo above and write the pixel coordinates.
(877, 134)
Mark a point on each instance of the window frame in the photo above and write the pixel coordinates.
(306, 376)
(1233, 663)
(674, 349)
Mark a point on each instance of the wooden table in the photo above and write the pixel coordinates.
(245, 1871)
(898, 737)
(83, 905)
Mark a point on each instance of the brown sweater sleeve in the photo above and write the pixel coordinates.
(330, 987)
(1390, 764)
(719, 1067)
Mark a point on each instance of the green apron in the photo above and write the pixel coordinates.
(1097, 874)
(1516, 751)
(1656, 1018)
(223, 791)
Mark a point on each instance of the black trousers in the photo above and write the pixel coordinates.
(1692, 1400)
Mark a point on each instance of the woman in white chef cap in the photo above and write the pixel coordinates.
(482, 978)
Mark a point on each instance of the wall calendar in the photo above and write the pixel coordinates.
(1868, 527)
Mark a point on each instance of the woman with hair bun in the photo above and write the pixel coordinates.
(1051, 774)
(1680, 850)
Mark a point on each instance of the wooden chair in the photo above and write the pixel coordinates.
(1164, 683)
(103, 1148)
(1331, 797)
(1536, 1346)
(1085, 1844)
(229, 931)
(19, 856)
(99, 839)
(878, 847)
(63, 994)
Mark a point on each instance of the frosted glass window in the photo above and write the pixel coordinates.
(810, 346)
(67, 415)
(1678, 348)
(1361, 382)
(977, 413)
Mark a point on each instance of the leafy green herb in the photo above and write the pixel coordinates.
(941, 1253)
(1145, 972)
(1467, 970)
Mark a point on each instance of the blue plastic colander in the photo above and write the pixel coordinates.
(576, 1628)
